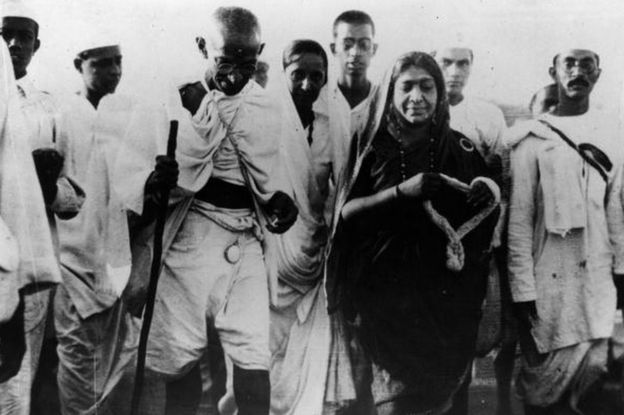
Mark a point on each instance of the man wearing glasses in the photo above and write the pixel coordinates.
(213, 269)
(353, 47)
(566, 242)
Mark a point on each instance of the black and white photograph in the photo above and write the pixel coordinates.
(312, 207)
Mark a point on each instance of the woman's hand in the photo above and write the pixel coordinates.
(421, 186)
(480, 195)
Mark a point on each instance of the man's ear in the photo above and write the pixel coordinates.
(375, 45)
(598, 72)
(201, 45)
(332, 47)
(78, 64)
(37, 44)
(553, 73)
(260, 49)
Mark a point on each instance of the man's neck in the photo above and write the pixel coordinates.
(568, 107)
(306, 115)
(354, 88)
(92, 96)
(455, 99)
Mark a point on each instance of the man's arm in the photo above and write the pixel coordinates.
(522, 213)
(615, 223)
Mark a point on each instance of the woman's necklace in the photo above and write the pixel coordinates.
(402, 145)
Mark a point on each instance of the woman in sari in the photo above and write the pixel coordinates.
(413, 298)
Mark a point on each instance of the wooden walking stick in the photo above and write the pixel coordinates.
(153, 281)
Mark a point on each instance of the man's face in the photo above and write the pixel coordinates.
(20, 35)
(455, 64)
(232, 61)
(354, 47)
(576, 72)
(305, 78)
(101, 70)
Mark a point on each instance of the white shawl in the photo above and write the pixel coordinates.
(21, 202)
(296, 257)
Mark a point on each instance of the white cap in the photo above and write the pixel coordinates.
(94, 38)
(17, 8)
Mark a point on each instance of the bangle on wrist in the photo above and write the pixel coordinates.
(398, 194)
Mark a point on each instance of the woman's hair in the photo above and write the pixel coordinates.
(427, 62)
(301, 46)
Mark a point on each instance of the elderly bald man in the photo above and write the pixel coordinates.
(213, 269)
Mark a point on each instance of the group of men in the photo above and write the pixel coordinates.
(249, 191)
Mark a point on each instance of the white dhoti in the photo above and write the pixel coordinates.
(567, 372)
(211, 272)
(15, 393)
(91, 360)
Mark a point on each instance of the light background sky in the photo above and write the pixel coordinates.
(513, 40)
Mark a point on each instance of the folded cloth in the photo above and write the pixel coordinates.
(9, 262)
(561, 179)
(568, 372)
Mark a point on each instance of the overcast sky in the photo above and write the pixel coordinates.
(513, 40)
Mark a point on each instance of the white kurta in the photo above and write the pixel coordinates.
(86, 248)
(345, 122)
(482, 122)
(566, 232)
(21, 203)
(43, 118)
(21, 199)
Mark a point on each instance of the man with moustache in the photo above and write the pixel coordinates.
(95, 334)
(353, 47)
(225, 198)
(566, 241)
(63, 196)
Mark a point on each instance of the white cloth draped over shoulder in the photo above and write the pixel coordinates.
(233, 138)
(21, 202)
(297, 255)
(345, 122)
(300, 359)
(304, 378)
(246, 119)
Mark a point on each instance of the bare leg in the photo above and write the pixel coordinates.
(503, 369)
(184, 394)
(252, 391)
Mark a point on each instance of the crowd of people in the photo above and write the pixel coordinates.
(320, 247)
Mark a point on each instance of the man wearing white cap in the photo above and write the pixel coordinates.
(62, 196)
(566, 243)
(96, 336)
(26, 250)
